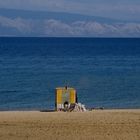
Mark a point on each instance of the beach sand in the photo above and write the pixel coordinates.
(93, 125)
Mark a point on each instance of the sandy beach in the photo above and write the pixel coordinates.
(94, 125)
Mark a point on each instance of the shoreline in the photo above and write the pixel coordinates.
(88, 110)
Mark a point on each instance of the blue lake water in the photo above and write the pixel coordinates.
(105, 71)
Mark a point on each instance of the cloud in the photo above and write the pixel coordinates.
(18, 23)
(92, 29)
(56, 28)
(53, 27)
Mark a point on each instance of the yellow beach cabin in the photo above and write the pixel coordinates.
(64, 96)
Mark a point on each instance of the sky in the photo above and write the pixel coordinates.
(122, 10)
(119, 9)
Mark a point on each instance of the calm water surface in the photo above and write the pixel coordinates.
(105, 72)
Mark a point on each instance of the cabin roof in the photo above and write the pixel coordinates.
(65, 88)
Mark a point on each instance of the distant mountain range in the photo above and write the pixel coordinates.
(67, 17)
(42, 23)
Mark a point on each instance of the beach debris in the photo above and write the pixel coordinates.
(79, 108)
(75, 107)
(96, 108)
